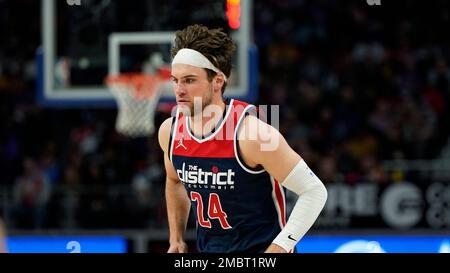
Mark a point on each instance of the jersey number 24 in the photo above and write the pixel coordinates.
(214, 210)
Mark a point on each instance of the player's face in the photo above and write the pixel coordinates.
(192, 89)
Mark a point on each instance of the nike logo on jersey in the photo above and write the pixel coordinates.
(290, 237)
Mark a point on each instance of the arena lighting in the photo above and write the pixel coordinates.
(234, 13)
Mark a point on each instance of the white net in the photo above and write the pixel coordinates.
(137, 96)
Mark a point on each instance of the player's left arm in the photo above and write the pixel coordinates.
(262, 144)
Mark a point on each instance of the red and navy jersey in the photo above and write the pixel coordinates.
(238, 208)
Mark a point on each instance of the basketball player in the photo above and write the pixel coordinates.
(216, 161)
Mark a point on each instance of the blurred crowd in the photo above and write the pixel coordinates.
(356, 85)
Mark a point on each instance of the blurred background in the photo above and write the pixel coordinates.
(364, 95)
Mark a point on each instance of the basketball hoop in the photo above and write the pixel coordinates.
(137, 96)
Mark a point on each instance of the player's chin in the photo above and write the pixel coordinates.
(185, 108)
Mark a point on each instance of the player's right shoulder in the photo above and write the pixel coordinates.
(164, 133)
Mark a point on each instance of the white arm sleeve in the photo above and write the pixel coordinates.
(312, 197)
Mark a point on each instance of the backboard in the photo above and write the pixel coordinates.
(85, 40)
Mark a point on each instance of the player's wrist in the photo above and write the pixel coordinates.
(177, 240)
(274, 248)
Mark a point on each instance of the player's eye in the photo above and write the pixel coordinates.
(189, 80)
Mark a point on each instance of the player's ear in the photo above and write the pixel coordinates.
(219, 81)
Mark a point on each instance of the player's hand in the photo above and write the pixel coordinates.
(179, 247)
(273, 248)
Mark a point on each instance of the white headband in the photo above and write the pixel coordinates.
(195, 58)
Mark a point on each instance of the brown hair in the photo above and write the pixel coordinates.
(214, 44)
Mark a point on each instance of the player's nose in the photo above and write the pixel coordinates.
(179, 89)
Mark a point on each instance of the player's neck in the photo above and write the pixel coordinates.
(204, 122)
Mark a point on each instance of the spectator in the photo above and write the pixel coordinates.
(31, 193)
